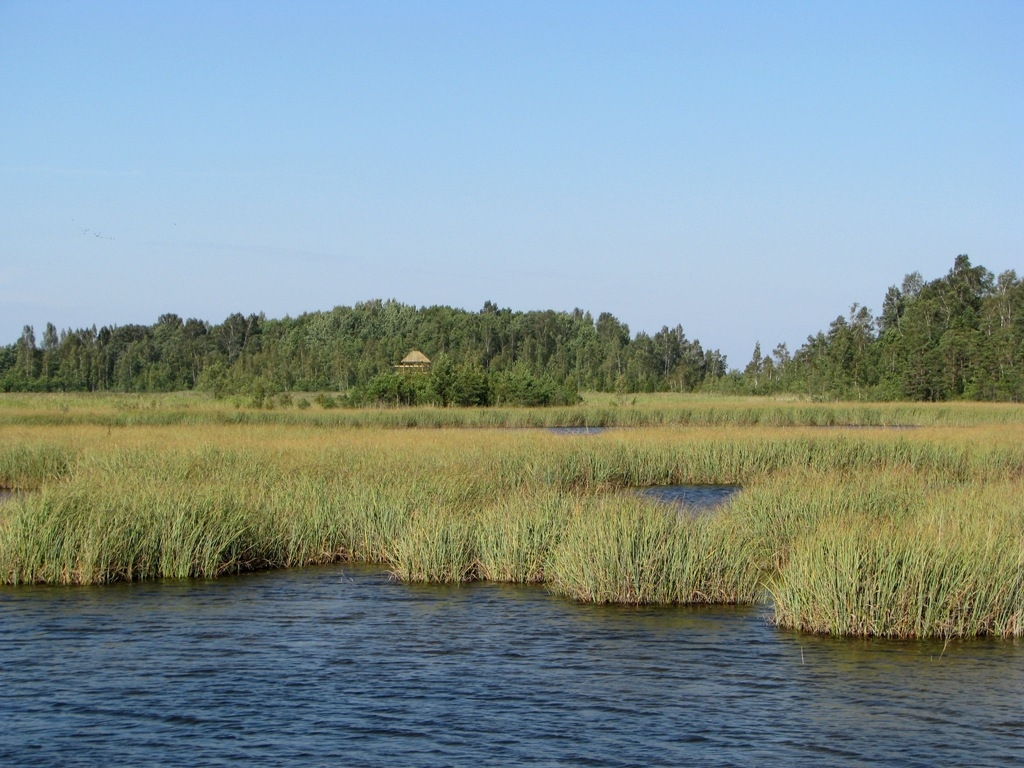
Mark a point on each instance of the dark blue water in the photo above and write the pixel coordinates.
(339, 666)
(694, 498)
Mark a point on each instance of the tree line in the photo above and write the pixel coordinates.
(493, 356)
(960, 336)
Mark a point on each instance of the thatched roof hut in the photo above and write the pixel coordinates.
(414, 361)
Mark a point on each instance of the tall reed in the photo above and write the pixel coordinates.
(515, 538)
(942, 573)
(633, 551)
(867, 531)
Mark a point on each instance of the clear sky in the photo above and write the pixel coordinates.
(746, 169)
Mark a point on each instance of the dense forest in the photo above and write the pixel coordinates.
(478, 358)
(959, 336)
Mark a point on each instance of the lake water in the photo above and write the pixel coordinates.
(340, 666)
(693, 498)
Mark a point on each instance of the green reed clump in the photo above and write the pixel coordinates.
(370, 520)
(81, 536)
(28, 465)
(515, 538)
(615, 553)
(632, 551)
(888, 585)
(141, 514)
(941, 574)
(209, 535)
(435, 547)
(777, 510)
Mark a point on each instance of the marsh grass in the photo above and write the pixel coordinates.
(941, 571)
(633, 551)
(27, 465)
(516, 537)
(905, 533)
(598, 410)
(435, 546)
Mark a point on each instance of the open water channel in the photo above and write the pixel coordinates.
(341, 666)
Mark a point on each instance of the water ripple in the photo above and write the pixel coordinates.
(340, 665)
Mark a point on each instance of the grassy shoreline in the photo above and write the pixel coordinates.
(867, 532)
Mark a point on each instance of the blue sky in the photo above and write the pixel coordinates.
(746, 169)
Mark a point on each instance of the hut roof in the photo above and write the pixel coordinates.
(415, 358)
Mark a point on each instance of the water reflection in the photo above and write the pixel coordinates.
(325, 666)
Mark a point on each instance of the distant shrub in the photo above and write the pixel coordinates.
(521, 387)
(325, 401)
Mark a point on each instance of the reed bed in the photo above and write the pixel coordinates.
(940, 571)
(902, 533)
(628, 551)
(597, 410)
